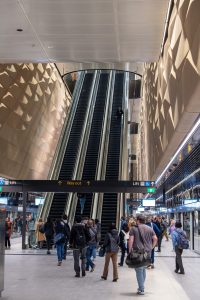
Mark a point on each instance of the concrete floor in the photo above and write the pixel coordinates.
(38, 277)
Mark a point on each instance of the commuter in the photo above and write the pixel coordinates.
(177, 236)
(79, 238)
(49, 232)
(82, 199)
(66, 233)
(122, 222)
(92, 244)
(98, 229)
(119, 113)
(111, 242)
(147, 243)
(19, 225)
(131, 222)
(40, 236)
(161, 226)
(8, 232)
(31, 231)
(59, 240)
(123, 243)
(165, 224)
(172, 226)
(158, 233)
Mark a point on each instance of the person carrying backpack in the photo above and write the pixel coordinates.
(79, 239)
(111, 242)
(180, 242)
(66, 233)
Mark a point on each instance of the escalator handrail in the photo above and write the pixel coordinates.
(72, 201)
(102, 160)
(61, 146)
(123, 158)
(101, 143)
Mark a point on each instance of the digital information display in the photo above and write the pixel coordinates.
(149, 202)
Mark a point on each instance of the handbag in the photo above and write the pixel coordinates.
(138, 257)
(59, 238)
(102, 251)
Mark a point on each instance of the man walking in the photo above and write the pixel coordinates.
(149, 241)
(180, 242)
(79, 239)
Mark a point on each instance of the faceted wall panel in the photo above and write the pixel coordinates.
(33, 106)
(171, 88)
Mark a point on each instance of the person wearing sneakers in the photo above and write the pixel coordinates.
(59, 240)
(180, 242)
(92, 244)
(141, 237)
(79, 238)
(111, 242)
(158, 233)
(123, 242)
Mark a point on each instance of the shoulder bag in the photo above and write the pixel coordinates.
(138, 257)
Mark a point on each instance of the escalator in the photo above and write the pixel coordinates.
(109, 208)
(93, 148)
(69, 161)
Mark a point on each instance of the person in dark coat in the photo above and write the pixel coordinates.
(111, 243)
(49, 232)
(158, 233)
(123, 242)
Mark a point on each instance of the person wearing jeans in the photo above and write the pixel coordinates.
(141, 276)
(144, 238)
(92, 244)
(79, 254)
(60, 252)
(59, 240)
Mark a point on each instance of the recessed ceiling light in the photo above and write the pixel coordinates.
(50, 47)
(19, 29)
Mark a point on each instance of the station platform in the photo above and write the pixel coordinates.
(31, 274)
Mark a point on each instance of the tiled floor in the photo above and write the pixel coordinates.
(38, 277)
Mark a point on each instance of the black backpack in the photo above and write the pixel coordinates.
(80, 238)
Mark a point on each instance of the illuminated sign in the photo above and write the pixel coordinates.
(149, 202)
(151, 190)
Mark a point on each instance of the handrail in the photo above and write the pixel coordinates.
(98, 201)
(72, 201)
(61, 146)
(123, 166)
(101, 148)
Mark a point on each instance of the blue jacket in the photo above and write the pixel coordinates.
(155, 228)
(175, 236)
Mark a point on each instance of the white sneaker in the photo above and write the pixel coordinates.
(140, 292)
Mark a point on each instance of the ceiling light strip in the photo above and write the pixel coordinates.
(188, 136)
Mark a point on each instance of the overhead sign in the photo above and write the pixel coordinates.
(65, 186)
(151, 190)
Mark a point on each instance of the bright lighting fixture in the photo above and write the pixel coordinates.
(188, 136)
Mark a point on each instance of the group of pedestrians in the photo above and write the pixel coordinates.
(84, 238)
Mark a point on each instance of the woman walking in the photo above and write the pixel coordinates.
(40, 237)
(8, 232)
(111, 246)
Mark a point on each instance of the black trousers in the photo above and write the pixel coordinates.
(48, 240)
(7, 241)
(179, 263)
(159, 242)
